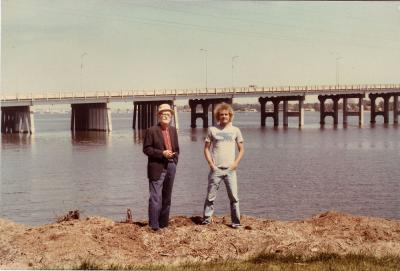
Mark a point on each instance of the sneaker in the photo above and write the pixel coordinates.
(237, 226)
(206, 222)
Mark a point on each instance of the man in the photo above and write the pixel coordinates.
(222, 140)
(162, 148)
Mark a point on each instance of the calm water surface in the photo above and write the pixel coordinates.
(285, 174)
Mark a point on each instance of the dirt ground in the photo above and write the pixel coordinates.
(103, 241)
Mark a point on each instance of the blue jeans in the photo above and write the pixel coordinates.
(160, 198)
(214, 180)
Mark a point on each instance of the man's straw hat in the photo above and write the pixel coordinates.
(165, 107)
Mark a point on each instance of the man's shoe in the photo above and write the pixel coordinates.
(206, 222)
(237, 226)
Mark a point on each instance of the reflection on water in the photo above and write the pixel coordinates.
(17, 139)
(198, 134)
(383, 125)
(90, 137)
(138, 136)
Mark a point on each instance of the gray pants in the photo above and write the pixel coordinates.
(160, 198)
(214, 181)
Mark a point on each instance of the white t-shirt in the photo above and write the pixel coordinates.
(223, 143)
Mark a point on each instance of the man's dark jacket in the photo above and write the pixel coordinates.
(153, 147)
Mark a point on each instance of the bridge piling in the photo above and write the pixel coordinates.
(176, 117)
(386, 99)
(321, 110)
(145, 113)
(262, 113)
(205, 103)
(90, 117)
(144, 126)
(396, 108)
(286, 113)
(275, 114)
(134, 116)
(150, 119)
(373, 108)
(385, 112)
(361, 111)
(335, 110)
(17, 119)
(109, 122)
(265, 114)
(347, 112)
(194, 115)
(301, 112)
(139, 114)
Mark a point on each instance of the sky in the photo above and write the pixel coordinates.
(73, 45)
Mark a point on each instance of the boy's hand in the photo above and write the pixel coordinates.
(233, 166)
(213, 167)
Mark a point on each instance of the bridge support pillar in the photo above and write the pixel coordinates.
(273, 114)
(386, 99)
(373, 108)
(396, 108)
(361, 111)
(145, 114)
(347, 112)
(301, 112)
(286, 114)
(176, 117)
(335, 110)
(17, 119)
(91, 117)
(205, 103)
(385, 112)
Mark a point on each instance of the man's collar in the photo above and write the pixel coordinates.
(162, 128)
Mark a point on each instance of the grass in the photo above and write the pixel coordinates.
(273, 262)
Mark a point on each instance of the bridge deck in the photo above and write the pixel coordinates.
(69, 97)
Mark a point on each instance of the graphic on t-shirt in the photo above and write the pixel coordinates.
(224, 136)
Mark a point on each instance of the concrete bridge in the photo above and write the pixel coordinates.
(90, 111)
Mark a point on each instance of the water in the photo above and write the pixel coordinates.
(285, 174)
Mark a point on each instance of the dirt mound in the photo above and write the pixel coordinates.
(68, 243)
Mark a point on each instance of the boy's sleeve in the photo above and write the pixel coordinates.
(239, 137)
(209, 136)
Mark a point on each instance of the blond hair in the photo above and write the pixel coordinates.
(223, 106)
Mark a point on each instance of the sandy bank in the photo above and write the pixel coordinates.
(104, 241)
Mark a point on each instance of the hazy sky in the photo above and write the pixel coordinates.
(156, 44)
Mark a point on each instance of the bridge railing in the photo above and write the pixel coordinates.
(92, 95)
